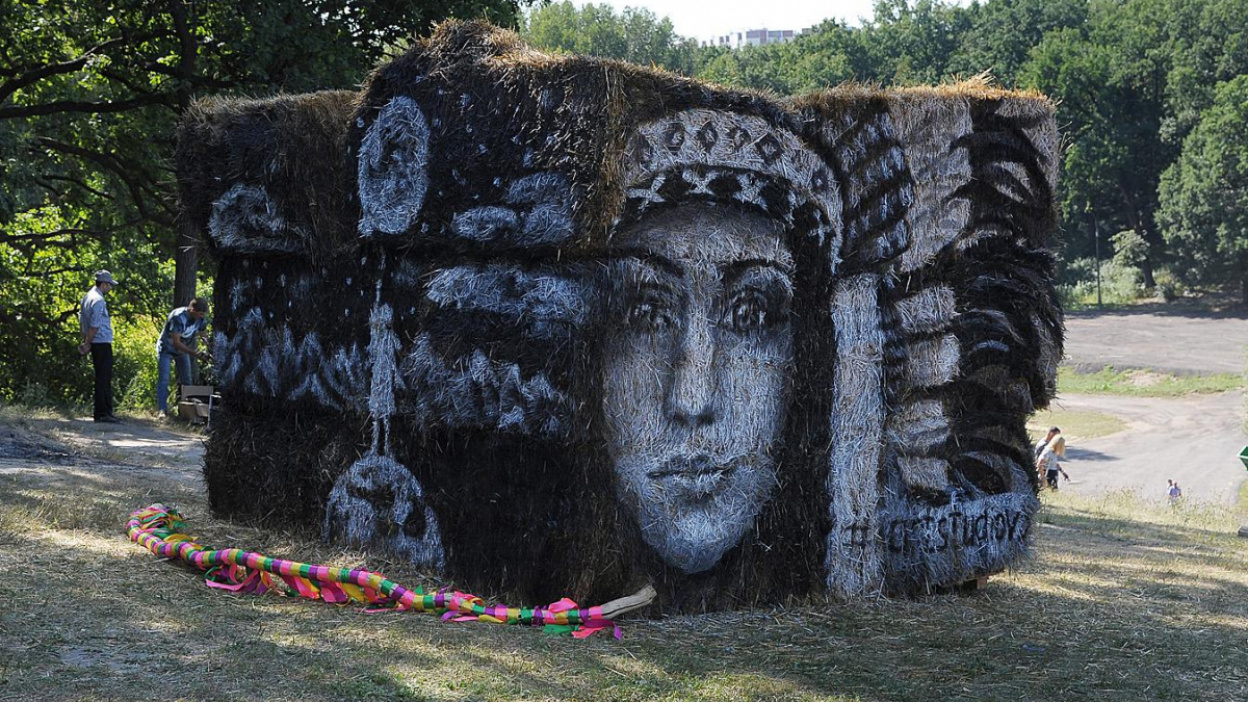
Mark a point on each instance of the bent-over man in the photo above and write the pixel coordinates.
(175, 347)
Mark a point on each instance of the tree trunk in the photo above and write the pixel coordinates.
(1152, 238)
(185, 271)
(185, 261)
(186, 241)
(1146, 268)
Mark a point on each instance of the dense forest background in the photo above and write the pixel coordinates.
(1152, 96)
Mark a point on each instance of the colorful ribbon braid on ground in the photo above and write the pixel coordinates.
(160, 529)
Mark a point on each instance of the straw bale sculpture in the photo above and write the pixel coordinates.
(559, 325)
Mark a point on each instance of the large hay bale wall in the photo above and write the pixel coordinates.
(557, 325)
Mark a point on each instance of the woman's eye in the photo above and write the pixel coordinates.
(749, 313)
(650, 315)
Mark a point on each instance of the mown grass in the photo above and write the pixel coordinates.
(1122, 601)
(1142, 383)
(1076, 425)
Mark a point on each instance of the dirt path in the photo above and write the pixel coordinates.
(50, 444)
(1194, 440)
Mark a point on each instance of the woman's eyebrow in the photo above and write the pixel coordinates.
(732, 270)
(655, 260)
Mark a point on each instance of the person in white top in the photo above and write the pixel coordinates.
(1175, 492)
(1053, 431)
(1049, 462)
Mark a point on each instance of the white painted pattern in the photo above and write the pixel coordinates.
(393, 168)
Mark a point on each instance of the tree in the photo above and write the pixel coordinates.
(831, 54)
(89, 96)
(911, 43)
(635, 35)
(756, 67)
(1000, 35)
(1110, 88)
(1204, 195)
(1205, 44)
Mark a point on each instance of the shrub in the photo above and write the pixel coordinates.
(135, 370)
(1120, 284)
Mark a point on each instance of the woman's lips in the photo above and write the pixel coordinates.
(684, 465)
(696, 476)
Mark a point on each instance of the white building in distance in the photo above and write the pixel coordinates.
(753, 37)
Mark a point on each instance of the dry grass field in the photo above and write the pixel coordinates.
(1122, 601)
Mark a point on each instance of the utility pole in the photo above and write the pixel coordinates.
(1096, 237)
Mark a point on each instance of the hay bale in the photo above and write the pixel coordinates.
(473, 316)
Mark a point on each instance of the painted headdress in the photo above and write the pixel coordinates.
(728, 157)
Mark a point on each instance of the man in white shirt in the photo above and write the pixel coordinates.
(97, 339)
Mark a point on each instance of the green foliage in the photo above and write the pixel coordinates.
(634, 35)
(1169, 287)
(832, 54)
(1120, 284)
(1130, 249)
(135, 364)
(1204, 195)
(1002, 34)
(755, 67)
(911, 43)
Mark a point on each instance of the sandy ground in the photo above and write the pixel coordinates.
(43, 444)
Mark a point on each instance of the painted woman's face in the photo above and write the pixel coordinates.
(695, 376)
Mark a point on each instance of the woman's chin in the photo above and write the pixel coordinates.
(692, 512)
(696, 540)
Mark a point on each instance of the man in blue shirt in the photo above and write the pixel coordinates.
(175, 347)
(97, 339)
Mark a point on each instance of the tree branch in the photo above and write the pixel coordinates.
(34, 75)
(188, 51)
(123, 171)
(44, 236)
(72, 181)
(129, 84)
(12, 314)
(63, 106)
(197, 81)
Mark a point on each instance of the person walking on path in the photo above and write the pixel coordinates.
(97, 340)
(1049, 461)
(176, 348)
(1053, 431)
(1040, 446)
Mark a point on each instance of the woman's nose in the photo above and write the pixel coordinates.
(691, 393)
